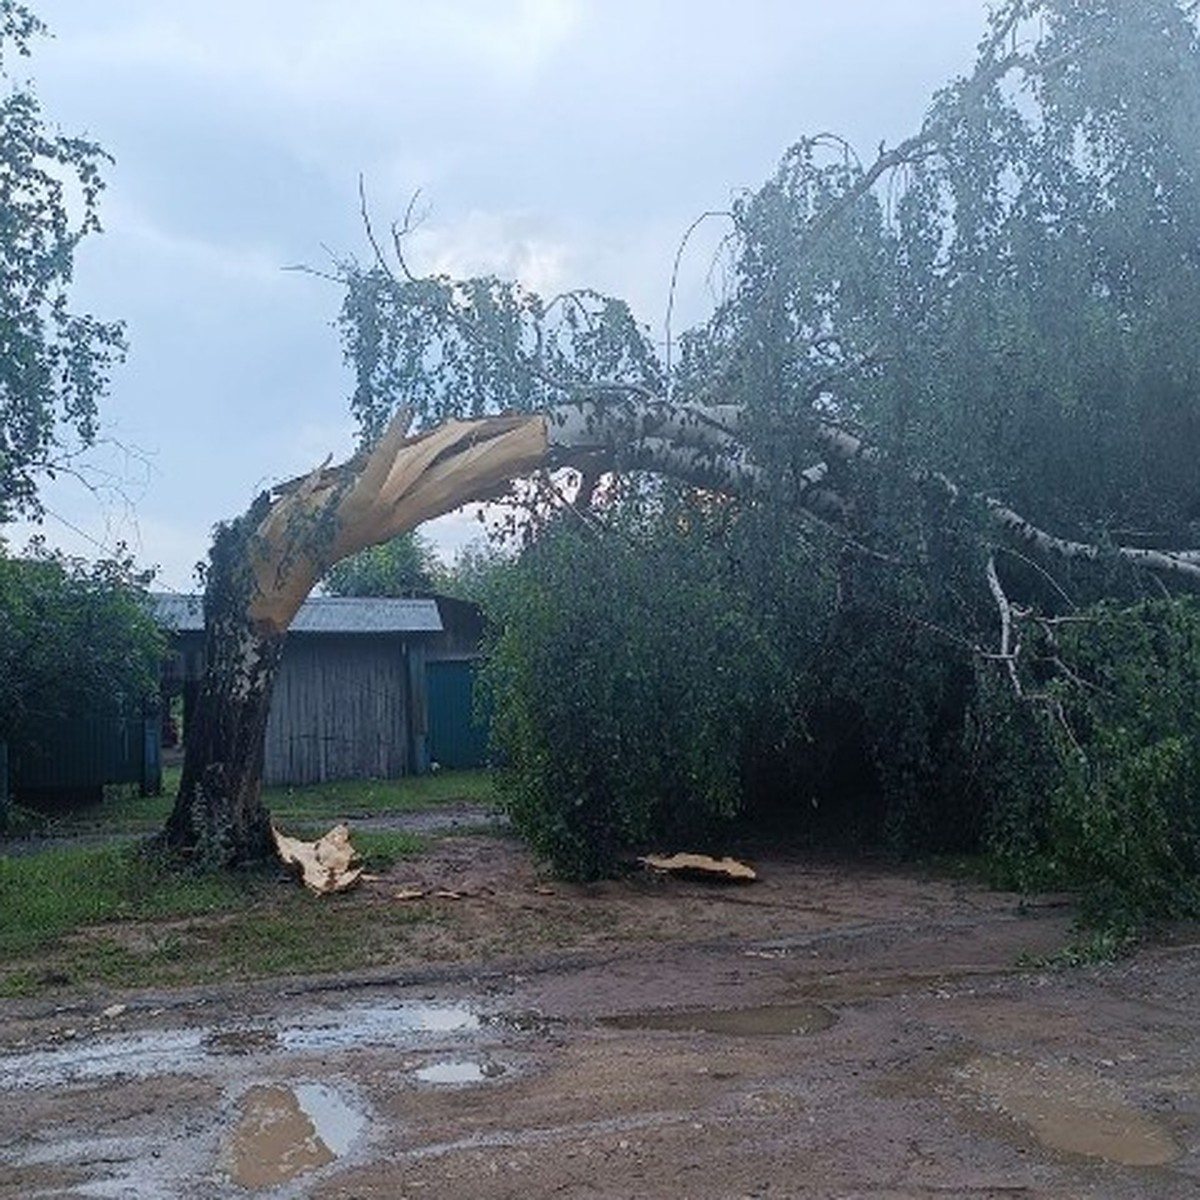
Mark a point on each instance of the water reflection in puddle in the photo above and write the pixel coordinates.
(282, 1133)
(165, 1052)
(772, 1020)
(1070, 1109)
(459, 1072)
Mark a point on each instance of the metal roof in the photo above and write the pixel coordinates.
(318, 614)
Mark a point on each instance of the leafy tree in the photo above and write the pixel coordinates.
(54, 362)
(399, 567)
(1007, 312)
(479, 571)
(638, 738)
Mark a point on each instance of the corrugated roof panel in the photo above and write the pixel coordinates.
(177, 612)
(367, 614)
(320, 614)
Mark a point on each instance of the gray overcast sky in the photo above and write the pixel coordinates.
(566, 142)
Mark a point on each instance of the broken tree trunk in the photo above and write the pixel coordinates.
(218, 814)
(265, 563)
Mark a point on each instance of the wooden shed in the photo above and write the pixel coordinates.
(352, 700)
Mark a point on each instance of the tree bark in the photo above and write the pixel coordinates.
(1182, 564)
(218, 815)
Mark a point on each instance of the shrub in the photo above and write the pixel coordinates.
(1117, 765)
(627, 677)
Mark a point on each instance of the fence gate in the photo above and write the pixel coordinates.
(72, 759)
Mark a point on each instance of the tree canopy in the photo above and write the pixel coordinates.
(886, 550)
(976, 343)
(997, 298)
(399, 567)
(54, 361)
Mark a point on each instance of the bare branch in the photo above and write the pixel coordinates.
(402, 230)
(365, 213)
(704, 216)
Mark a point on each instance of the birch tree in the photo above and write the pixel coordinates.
(968, 344)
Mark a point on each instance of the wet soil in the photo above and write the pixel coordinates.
(832, 1031)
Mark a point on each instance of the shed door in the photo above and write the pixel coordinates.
(456, 739)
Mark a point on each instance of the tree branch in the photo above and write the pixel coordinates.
(1008, 655)
(1184, 564)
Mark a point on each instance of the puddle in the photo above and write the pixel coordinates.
(776, 1019)
(173, 1051)
(377, 1025)
(139, 1054)
(460, 1071)
(1071, 1110)
(282, 1133)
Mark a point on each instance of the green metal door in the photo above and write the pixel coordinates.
(457, 740)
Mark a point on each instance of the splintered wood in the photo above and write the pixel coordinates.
(701, 866)
(401, 482)
(330, 864)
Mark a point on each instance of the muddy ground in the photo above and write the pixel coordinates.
(831, 1031)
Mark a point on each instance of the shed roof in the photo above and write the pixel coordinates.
(318, 614)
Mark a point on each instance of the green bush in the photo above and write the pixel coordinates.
(78, 642)
(656, 678)
(1117, 765)
(652, 681)
(628, 675)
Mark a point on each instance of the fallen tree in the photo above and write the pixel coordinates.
(265, 564)
(965, 344)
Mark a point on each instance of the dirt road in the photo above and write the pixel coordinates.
(830, 1032)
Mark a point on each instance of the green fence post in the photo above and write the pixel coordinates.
(3, 786)
(152, 780)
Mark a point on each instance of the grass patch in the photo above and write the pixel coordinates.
(123, 811)
(380, 797)
(46, 896)
(118, 914)
(285, 931)
(124, 916)
(380, 851)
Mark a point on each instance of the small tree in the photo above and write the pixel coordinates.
(76, 640)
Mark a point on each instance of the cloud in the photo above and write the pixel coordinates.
(452, 533)
(84, 526)
(308, 51)
(312, 442)
(223, 261)
(635, 261)
(511, 245)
